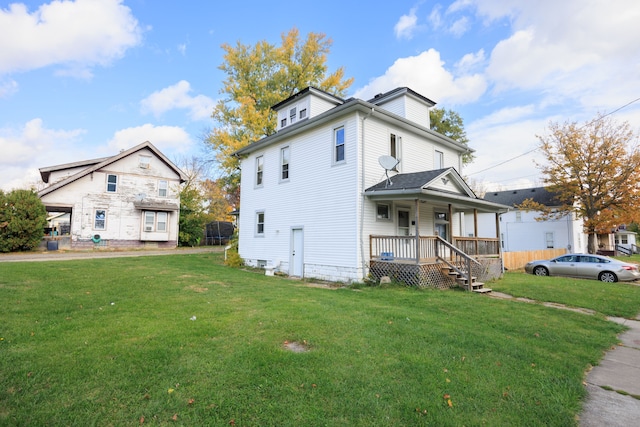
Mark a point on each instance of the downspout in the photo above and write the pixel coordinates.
(362, 184)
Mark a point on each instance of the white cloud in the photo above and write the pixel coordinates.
(460, 26)
(435, 17)
(31, 147)
(76, 35)
(8, 87)
(165, 138)
(407, 25)
(178, 96)
(427, 75)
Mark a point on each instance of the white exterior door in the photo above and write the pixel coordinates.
(296, 259)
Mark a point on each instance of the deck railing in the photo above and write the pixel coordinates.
(405, 248)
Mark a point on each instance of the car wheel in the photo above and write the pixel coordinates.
(607, 276)
(540, 271)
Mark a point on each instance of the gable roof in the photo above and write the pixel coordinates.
(387, 96)
(419, 180)
(515, 197)
(98, 164)
(46, 171)
(348, 106)
(427, 185)
(310, 89)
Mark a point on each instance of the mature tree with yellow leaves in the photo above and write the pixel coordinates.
(259, 77)
(593, 170)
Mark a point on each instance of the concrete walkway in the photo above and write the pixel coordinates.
(613, 386)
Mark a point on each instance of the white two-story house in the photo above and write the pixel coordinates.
(348, 188)
(130, 200)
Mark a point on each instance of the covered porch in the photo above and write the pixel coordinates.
(438, 244)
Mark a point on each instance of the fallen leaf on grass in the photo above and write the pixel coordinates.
(175, 417)
(191, 402)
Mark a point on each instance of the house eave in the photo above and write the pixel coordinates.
(349, 106)
(458, 200)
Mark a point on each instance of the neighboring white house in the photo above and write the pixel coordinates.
(128, 200)
(315, 198)
(520, 231)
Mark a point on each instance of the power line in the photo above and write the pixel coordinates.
(531, 151)
(505, 161)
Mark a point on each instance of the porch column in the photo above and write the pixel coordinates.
(417, 220)
(475, 223)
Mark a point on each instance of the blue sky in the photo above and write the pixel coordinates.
(86, 78)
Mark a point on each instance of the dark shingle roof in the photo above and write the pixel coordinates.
(515, 197)
(408, 181)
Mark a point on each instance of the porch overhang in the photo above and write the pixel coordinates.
(458, 201)
(156, 206)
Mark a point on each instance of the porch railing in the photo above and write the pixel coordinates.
(457, 260)
(480, 246)
(403, 248)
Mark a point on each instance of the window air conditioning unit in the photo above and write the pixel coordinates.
(148, 228)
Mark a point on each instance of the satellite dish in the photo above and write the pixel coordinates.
(388, 163)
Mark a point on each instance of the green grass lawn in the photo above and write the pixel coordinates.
(112, 342)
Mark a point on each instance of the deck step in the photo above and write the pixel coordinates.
(482, 290)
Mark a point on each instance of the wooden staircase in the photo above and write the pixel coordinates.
(462, 279)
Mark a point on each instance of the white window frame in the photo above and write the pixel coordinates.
(259, 176)
(379, 216)
(155, 221)
(518, 216)
(303, 113)
(549, 240)
(293, 114)
(103, 220)
(285, 161)
(260, 223)
(114, 183)
(163, 188)
(395, 149)
(438, 159)
(335, 149)
(144, 162)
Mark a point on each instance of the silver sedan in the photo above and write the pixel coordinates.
(585, 266)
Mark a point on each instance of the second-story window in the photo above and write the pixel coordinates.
(259, 170)
(394, 148)
(303, 113)
(112, 183)
(292, 115)
(284, 157)
(438, 160)
(338, 136)
(162, 188)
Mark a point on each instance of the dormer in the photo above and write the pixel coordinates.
(406, 103)
(305, 104)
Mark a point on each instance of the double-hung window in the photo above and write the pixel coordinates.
(259, 170)
(395, 148)
(260, 223)
(438, 160)
(338, 137)
(292, 115)
(112, 183)
(100, 222)
(162, 188)
(155, 221)
(284, 161)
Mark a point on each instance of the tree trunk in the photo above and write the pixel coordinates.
(591, 242)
